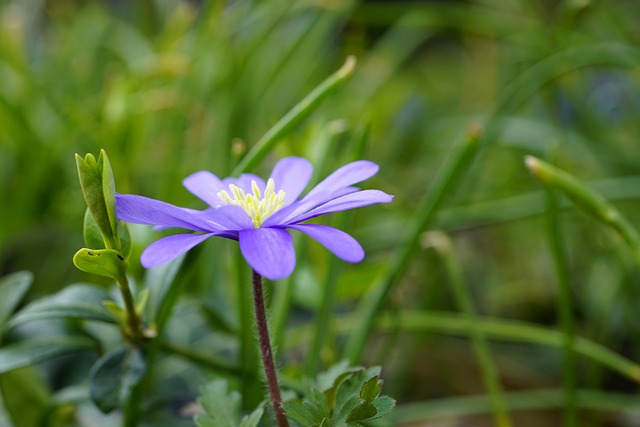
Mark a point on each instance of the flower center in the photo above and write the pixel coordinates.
(258, 206)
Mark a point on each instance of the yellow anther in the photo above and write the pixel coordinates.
(258, 206)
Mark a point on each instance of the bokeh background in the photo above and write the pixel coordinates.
(170, 87)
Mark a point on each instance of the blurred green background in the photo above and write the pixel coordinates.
(171, 87)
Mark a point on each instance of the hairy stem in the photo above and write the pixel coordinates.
(265, 351)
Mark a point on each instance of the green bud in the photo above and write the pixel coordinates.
(98, 188)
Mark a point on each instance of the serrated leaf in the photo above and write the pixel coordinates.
(303, 413)
(103, 262)
(252, 419)
(371, 389)
(91, 232)
(343, 409)
(12, 289)
(75, 301)
(362, 412)
(14, 356)
(384, 405)
(222, 408)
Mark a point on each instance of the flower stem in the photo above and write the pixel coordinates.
(134, 324)
(265, 351)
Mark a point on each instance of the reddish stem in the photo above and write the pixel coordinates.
(265, 351)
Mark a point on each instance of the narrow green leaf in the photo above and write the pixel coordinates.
(164, 293)
(141, 300)
(103, 262)
(14, 356)
(115, 310)
(125, 240)
(75, 301)
(12, 289)
(296, 115)
(105, 379)
(109, 192)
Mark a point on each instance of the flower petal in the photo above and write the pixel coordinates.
(244, 182)
(340, 243)
(347, 175)
(269, 251)
(143, 210)
(291, 175)
(170, 247)
(343, 203)
(228, 217)
(205, 186)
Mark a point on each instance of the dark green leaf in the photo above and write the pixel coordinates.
(12, 289)
(344, 408)
(75, 301)
(105, 379)
(125, 240)
(362, 412)
(371, 389)
(14, 356)
(103, 262)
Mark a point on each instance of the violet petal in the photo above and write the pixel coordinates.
(269, 251)
(349, 201)
(347, 175)
(337, 241)
(144, 210)
(291, 175)
(205, 186)
(170, 247)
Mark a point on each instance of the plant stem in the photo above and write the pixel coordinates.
(135, 332)
(265, 351)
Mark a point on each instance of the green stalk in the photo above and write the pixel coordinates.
(588, 200)
(493, 328)
(443, 246)
(296, 115)
(135, 331)
(565, 311)
(449, 176)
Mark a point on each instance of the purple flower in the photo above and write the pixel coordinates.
(258, 214)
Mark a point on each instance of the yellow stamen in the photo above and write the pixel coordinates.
(258, 206)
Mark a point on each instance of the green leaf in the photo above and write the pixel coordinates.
(14, 356)
(78, 301)
(115, 310)
(223, 408)
(109, 191)
(113, 375)
(303, 412)
(384, 405)
(12, 289)
(103, 262)
(141, 300)
(371, 389)
(125, 240)
(105, 379)
(91, 183)
(362, 412)
(91, 232)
